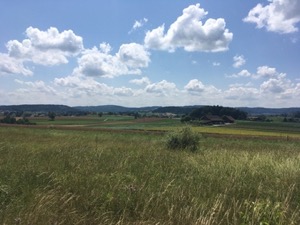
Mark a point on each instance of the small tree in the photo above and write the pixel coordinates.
(184, 139)
(185, 119)
(51, 115)
(136, 115)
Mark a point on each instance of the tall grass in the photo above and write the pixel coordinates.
(49, 176)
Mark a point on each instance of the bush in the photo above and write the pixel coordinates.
(184, 139)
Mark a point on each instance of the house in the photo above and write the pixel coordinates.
(228, 119)
(211, 120)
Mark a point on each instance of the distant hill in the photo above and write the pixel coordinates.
(114, 108)
(39, 108)
(63, 109)
(176, 109)
(269, 111)
(251, 111)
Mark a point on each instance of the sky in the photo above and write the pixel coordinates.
(150, 53)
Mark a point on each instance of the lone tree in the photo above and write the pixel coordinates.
(51, 115)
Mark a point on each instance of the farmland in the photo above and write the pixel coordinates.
(117, 170)
(240, 128)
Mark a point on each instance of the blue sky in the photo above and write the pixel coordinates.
(145, 53)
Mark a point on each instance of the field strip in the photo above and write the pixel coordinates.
(205, 131)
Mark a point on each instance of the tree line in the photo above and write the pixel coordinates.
(217, 110)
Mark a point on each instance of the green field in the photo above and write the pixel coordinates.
(117, 170)
(240, 128)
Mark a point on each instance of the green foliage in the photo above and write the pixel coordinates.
(218, 111)
(184, 139)
(185, 119)
(51, 115)
(9, 120)
(12, 120)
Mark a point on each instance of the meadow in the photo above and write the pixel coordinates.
(117, 170)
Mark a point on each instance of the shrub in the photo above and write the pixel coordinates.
(184, 139)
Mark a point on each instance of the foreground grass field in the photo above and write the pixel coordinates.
(52, 176)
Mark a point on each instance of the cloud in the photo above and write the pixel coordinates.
(123, 91)
(196, 87)
(265, 71)
(83, 86)
(243, 73)
(242, 93)
(190, 33)
(86, 86)
(195, 92)
(279, 16)
(10, 65)
(139, 23)
(52, 39)
(261, 72)
(105, 47)
(134, 55)
(142, 81)
(238, 61)
(249, 84)
(80, 89)
(276, 85)
(216, 64)
(97, 63)
(46, 47)
(130, 59)
(162, 88)
(37, 86)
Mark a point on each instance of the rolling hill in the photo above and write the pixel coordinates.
(64, 109)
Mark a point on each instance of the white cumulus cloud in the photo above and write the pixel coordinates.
(279, 16)
(52, 39)
(238, 61)
(191, 33)
(162, 88)
(46, 47)
(266, 71)
(276, 85)
(134, 55)
(196, 87)
(242, 93)
(9, 65)
(243, 73)
(261, 72)
(130, 59)
(142, 81)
